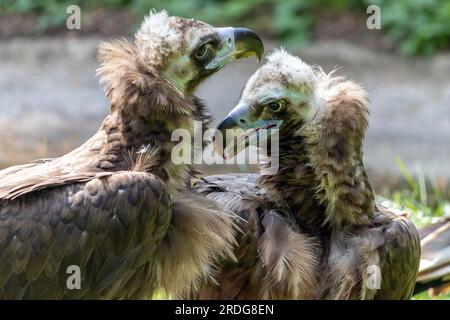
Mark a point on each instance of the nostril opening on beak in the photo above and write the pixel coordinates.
(241, 120)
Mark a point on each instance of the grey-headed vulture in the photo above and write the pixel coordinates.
(321, 194)
(116, 208)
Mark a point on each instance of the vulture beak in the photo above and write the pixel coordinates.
(236, 130)
(237, 43)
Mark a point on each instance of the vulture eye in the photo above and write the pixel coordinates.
(203, 51)
(275, 106)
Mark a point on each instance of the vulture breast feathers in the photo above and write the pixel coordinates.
(321, 191)
(116, 210)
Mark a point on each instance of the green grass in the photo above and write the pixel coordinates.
(425, 201)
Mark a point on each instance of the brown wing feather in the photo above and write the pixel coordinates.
(399, 255)
(274, 260)
(79, 165)
(17, 168)
(109, 227)
(379, 261)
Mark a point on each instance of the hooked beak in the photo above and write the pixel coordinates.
(237, 43)
(236, 128)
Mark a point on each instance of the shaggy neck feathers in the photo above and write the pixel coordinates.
(145, 109)
(293, 185)
(335, 141)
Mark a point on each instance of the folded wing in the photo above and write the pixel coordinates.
(109, 227)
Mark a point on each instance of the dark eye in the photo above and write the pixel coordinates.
(203, 51)
(275, 106)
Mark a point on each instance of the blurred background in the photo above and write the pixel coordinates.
(51, 102)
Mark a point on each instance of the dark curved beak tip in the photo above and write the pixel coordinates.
(248, 42)
(227, 123)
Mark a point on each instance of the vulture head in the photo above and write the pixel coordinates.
(321, 120)
(281, 94)
(187, 51)
(182, 51)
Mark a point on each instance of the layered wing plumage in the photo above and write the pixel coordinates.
(109, 227)
(80, 165)
(377, 261)
(399, 255)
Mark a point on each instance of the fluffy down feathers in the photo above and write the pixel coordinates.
(290, 260)
(199, 235)
(275, 260)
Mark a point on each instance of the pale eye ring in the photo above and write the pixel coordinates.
(275, 106)
(203, 51)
